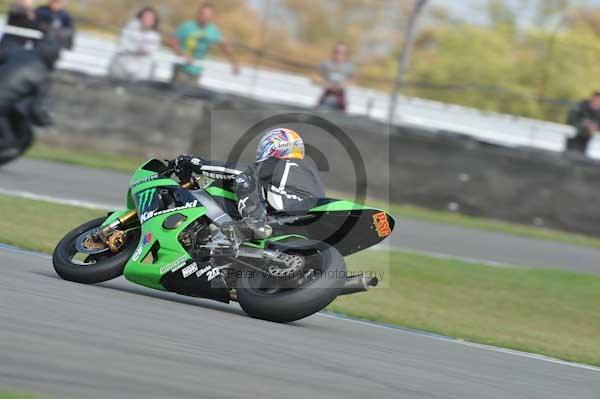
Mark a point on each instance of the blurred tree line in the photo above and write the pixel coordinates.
(533, 70)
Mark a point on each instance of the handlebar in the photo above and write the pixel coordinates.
(187, 182)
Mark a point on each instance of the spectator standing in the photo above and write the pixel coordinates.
(334, 76)
(55, 21)
(585, 117)
(193, 40)
(139, 43)
(21, 14)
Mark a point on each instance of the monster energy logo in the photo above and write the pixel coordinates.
(145, 199)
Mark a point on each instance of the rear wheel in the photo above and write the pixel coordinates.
(25, 139)
(323, 278)
(78, 258)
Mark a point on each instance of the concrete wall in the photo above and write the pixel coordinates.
(428, 169)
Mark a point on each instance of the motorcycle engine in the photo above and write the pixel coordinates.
(195, 239)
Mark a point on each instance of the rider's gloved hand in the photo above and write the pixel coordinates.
(188, 160)
(185, 165)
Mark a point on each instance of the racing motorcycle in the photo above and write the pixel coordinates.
(184, 235)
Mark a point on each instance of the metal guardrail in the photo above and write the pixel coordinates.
(92, 54)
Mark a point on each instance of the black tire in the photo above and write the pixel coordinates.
(103, 270)
(290, 305)
(25, 140)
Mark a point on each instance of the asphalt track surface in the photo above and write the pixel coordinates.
(108, 188)
(118, 340)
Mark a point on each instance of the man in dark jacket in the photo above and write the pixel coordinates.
(585, 117)
(24, 84)
(56, 22)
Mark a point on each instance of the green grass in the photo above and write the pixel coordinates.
(90, 159)
(38, 225)
(122, 163)
(550, 312)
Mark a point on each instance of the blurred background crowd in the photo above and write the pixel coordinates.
(528, 58)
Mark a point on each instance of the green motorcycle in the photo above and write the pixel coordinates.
(180, 237)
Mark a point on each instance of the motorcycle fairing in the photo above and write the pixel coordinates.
(348, 226)
(159, 251)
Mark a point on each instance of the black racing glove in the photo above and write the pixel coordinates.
(185, 165)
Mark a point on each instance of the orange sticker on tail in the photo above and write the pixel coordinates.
(382, 225)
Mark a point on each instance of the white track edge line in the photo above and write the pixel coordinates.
(444, 338)
(58, 200)
(443, 256)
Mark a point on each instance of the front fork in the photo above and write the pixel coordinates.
(122, 220)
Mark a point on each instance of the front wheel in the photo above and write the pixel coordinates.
(77, 258)
(326, 275)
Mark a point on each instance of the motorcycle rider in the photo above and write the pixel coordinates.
(279, 180)
(24, 85)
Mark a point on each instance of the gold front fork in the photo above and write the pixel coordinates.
(123, 220)
(127, 217)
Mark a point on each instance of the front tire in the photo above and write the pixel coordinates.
(295, 304)
(103, 269)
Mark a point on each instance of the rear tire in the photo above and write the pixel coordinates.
(25, 140)
(296, 304)
(102, 270)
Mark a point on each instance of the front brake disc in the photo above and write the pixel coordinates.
(86, 244)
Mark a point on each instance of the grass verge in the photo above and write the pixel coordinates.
(550, 312)
(127, 164)
(38, 225)
(90, 159)
(14, 395)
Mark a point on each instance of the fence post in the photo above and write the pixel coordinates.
(405, 57)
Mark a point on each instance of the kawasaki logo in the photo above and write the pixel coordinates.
(151, 214)
(145, 199)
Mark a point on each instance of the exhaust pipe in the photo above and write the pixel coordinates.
(359, 283)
